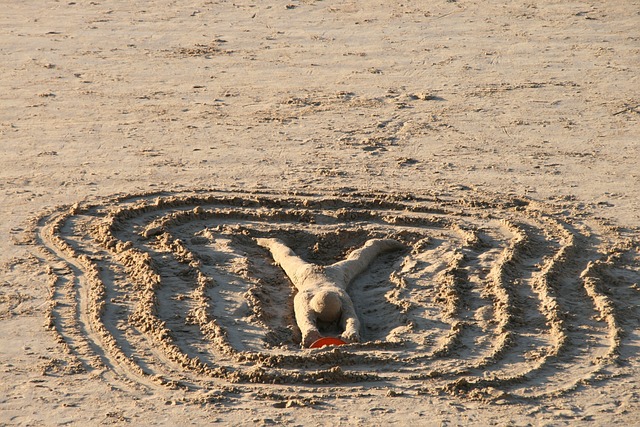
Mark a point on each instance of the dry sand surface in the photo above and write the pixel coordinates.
(147, 145)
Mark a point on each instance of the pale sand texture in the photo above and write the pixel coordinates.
(498, 141)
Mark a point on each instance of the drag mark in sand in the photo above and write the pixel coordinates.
(492, 298)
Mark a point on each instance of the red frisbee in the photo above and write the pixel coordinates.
(325, 341)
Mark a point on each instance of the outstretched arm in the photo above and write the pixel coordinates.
(358, 261)
(291, 263)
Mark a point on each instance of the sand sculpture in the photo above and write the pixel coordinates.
(322, 295)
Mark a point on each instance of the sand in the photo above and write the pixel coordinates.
(146, 146)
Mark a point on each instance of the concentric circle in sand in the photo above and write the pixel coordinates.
(494, 297)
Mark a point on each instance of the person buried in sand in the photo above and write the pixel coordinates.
(322, 290)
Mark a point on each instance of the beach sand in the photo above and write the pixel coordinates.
(147, 145)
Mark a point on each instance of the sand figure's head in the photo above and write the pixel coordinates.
(327, 305)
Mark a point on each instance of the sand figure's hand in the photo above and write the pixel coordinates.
(350, 336)
(310, 337)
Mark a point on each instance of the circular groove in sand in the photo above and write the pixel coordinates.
(172, 291)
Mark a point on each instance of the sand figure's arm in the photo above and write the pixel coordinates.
(305, 319)
(349, 322)
(292, 264)
(358, 261)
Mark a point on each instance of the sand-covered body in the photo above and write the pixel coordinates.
(322, 290)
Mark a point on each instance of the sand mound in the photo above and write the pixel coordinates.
(494, 297)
